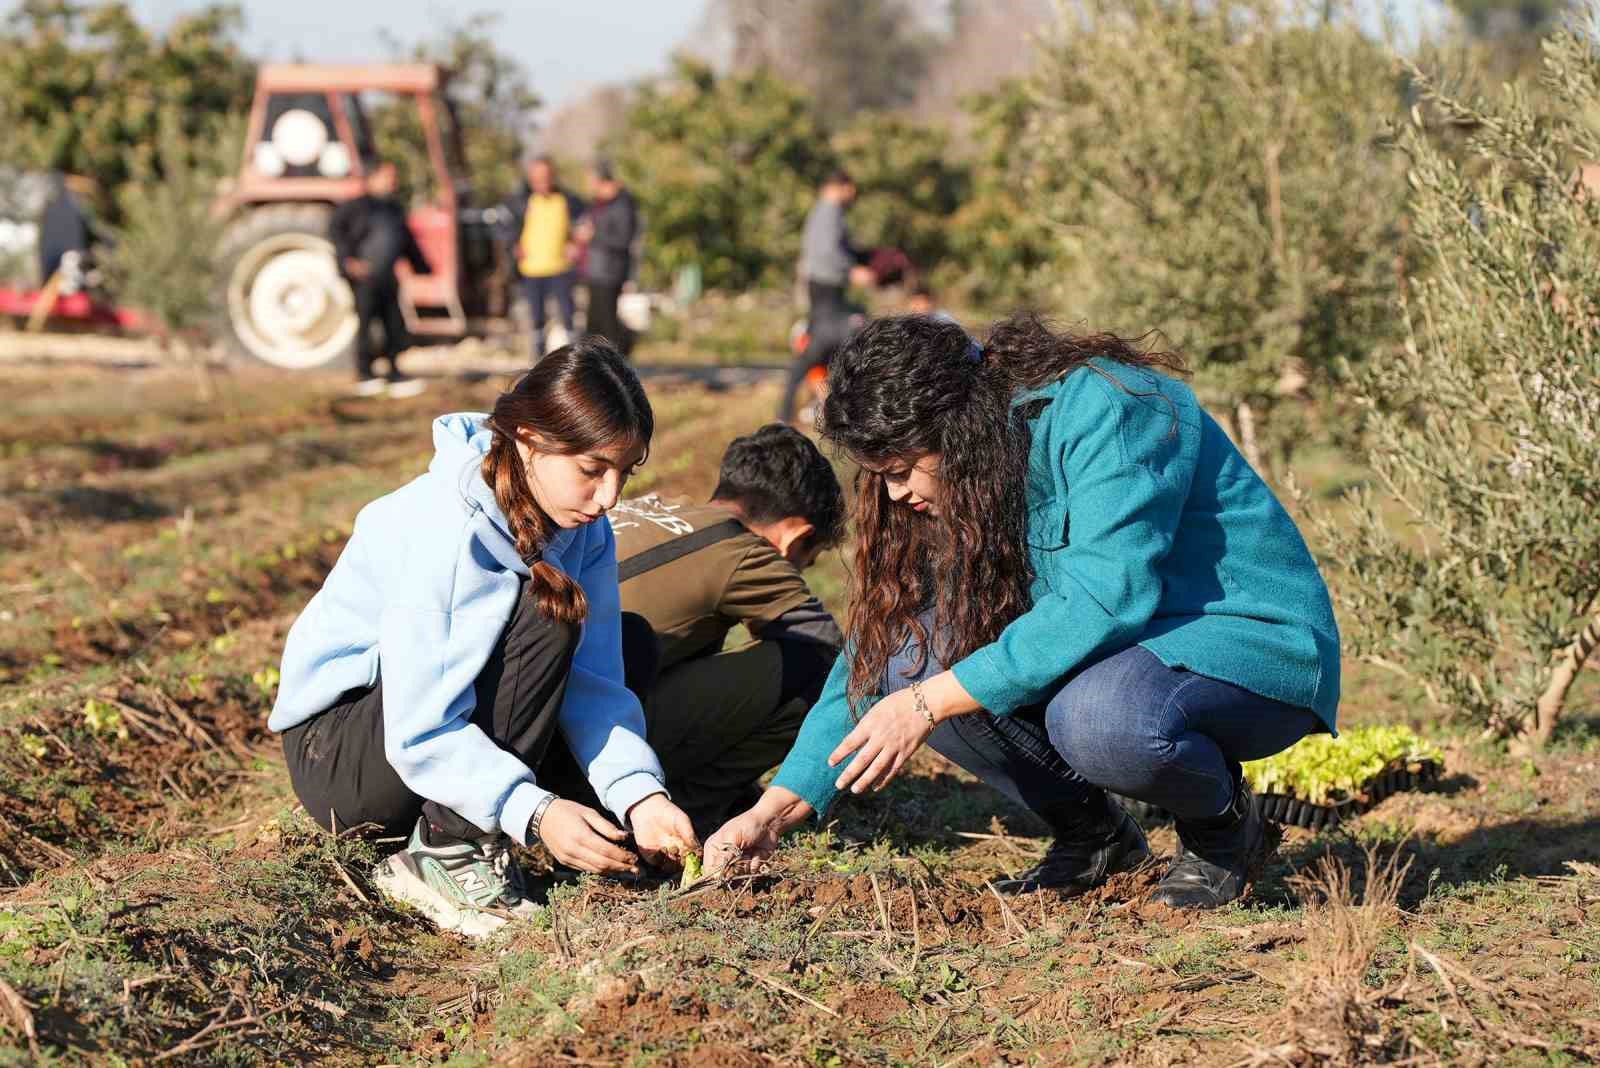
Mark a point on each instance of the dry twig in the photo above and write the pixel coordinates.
(1006, 913)
(19, 1015)
(780, 987)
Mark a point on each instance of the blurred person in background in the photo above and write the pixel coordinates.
(608, 233)
(829, 264)
(543, 228)
(370, 237)
(65, 232)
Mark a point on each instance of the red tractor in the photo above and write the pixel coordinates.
(309, 147)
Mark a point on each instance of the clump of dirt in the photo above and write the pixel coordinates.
(1134, 887)
(874, 1004)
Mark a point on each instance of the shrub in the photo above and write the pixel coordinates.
(164, 261)
(1217, 172)
(1483, 430)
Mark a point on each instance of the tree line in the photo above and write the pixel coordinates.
(1387, 253)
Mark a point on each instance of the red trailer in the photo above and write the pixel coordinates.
(72, 310)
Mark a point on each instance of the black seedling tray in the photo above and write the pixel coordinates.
(1282, 808)
(1292, 811)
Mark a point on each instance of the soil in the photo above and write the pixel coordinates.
(172, 859)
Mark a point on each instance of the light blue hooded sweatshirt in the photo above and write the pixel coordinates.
(423, 590)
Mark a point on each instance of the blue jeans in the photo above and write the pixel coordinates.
(1012, 753)
(1127, 723)
(539, 290)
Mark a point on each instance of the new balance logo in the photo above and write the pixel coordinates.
(470, 881)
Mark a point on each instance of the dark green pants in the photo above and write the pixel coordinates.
(720, 722)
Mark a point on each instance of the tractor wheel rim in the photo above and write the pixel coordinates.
(288, 304)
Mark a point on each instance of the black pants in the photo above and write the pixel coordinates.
(378, 303)
(602, 315)
(828, 322)
(336, 759)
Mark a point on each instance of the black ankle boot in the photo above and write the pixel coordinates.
(1215, 855)
(1092, 843)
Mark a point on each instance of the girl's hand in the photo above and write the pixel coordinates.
(662, 831)
(883, 741)
(752, 836)
(581, 838)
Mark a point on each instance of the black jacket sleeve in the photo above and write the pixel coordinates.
(615, 227)
(346, 229)
(577, 207)
(414, 255)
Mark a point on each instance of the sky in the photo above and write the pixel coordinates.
(568, 46)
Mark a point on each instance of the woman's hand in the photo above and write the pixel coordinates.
(745, 839)
(581, 838)
(883, 741)
(662, 831)
(752, 836)
(896, 728)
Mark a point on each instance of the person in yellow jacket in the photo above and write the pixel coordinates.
(544, 227)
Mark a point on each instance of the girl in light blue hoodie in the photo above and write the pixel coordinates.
(474, 612)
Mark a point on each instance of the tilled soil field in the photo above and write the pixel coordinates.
(161, 900)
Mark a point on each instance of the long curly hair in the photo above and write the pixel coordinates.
(581, 397)
(908, 386)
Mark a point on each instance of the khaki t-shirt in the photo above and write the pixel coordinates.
(692, 602)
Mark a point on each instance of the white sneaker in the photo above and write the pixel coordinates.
(473, 887)
(405, 387)
(399, 881)
(369, 387)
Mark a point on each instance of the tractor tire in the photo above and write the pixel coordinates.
(285, 302)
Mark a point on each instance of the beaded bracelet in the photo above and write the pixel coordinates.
(922, 704)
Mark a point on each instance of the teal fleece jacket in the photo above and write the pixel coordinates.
(1145, 526)
(418, 601)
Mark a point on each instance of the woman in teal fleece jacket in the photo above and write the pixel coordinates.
(474, 616)
(1068, 581)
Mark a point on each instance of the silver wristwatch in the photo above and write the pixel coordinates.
(538, 817)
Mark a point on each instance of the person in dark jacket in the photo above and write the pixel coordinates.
(64, 233)
(370, 237)
(540, 224)
(609, 232)
(830, 262)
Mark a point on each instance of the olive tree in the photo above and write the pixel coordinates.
(85, 87)
(1484, 429)
(163, 260)
(1217, 171)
